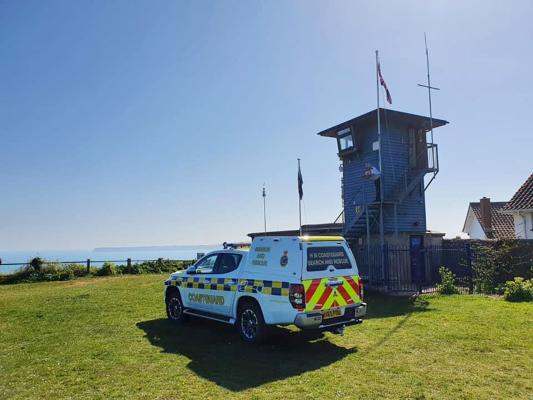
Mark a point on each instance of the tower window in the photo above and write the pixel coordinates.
(345, 140)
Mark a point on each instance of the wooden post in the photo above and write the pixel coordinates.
(88, 266)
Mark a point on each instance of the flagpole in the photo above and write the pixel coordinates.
(299, 202)
(264, 209)
(381, 233)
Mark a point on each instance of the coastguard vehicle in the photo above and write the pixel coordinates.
(311, 282)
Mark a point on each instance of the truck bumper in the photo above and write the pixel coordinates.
(314, 320)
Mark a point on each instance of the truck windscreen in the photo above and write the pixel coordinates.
(320, 258)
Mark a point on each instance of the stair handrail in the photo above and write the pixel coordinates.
(352, 201)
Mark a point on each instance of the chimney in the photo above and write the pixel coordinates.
(486, 214)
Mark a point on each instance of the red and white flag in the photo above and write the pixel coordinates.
(382, 81)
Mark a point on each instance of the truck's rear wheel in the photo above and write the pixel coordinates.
(174, 307)
(251, 323)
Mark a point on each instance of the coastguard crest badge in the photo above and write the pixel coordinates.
(284, 260)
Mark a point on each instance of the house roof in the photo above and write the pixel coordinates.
(523, 198)
(419, 120)
(502, 224)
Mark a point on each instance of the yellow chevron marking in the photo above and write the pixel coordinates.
(349, 289)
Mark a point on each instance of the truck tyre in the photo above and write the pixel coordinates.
(174, 307)
(251, 324)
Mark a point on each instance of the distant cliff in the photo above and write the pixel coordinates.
(158, 248)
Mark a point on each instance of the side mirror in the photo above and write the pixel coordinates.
(191, 270)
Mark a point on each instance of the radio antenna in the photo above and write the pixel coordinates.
(429, 88)
(264, 209)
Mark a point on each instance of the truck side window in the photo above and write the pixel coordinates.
(206, 264)
(228, 262)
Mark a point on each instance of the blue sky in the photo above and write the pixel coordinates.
(146, 123)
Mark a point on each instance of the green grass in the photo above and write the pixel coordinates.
(109, 338)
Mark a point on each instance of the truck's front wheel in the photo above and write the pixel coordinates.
(251, 323)
(174, 307)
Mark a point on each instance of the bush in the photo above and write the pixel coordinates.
(79, 270)
(154, 267)
(498, 262)
(37, 264)
(107, 269)
(447, 285)
(518, 289)
(21, 275)
(39, 270)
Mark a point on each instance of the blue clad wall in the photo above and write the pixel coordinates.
(410, 214)
(358, 190)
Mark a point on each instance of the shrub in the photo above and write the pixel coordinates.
(447, 285)
(485, 266)
(499, 289)
(39, 270)
(107, 269)
(37, 264)
(21, 275)
(154, 267)
(79, 270)
(518, 289)
(498, 262)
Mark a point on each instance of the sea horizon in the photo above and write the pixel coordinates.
(99, 255)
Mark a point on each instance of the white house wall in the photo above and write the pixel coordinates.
(521, 231)
(475, 230)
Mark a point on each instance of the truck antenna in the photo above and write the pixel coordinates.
(264, 209)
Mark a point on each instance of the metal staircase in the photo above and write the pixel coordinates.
(367, 213)
(367, 216)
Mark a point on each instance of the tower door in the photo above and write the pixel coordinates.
(418, 265)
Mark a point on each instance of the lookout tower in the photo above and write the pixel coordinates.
(408, 164)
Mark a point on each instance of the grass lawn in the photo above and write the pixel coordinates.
(109, 338)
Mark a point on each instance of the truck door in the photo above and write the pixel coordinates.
(212, 287)
(330, 276)
(225, 282)
(194, 284)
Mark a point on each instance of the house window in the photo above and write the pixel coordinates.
(345, 140)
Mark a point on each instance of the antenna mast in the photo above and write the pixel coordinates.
(430, 88)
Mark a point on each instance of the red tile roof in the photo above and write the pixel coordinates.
(523, 198)
(502, 224)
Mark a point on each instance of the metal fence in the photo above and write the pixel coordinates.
(9, 268)
(399, 269)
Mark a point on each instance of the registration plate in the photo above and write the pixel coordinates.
(331, 313)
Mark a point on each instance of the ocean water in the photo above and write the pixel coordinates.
(97, 257)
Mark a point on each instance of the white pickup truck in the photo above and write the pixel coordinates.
(311, 282)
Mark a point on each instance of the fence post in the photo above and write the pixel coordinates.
(422, 259)
(468, 251)
(128, 261)
(88, 266)
(385, 258)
